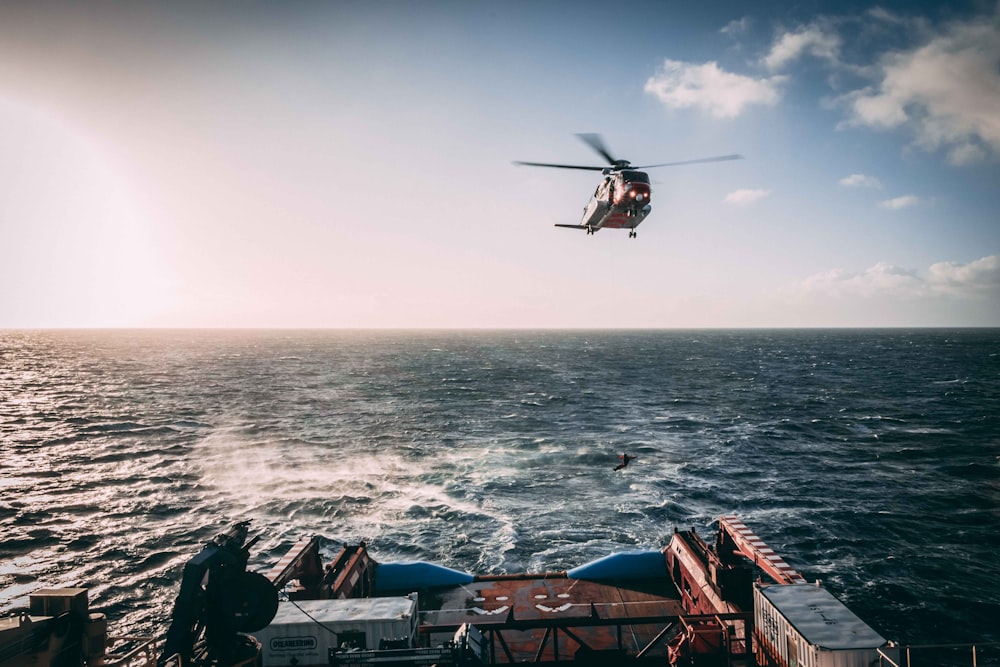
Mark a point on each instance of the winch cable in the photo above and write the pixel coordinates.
(314, 619)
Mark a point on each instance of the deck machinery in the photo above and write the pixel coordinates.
(691, 603)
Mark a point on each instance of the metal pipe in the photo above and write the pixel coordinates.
(541, 645)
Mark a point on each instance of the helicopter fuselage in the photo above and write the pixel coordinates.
(621, 201)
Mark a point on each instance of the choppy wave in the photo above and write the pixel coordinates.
(868, 459)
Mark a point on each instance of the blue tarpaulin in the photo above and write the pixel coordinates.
(625, 565)
(415, 575)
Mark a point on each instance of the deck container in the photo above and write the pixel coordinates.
(302, 632)
(803, 625)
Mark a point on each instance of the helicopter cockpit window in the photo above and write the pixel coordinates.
(602, 188)
(635, 177)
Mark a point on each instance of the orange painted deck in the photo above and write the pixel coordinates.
(546, 619)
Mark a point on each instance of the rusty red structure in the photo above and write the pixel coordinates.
(689, 603)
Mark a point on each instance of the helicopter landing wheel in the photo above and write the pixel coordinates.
(632, 234)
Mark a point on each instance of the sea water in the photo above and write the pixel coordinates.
(867, 458)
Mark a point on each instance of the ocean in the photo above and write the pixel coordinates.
(869, 459)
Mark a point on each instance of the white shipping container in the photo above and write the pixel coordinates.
(303, 632)
(803, 625)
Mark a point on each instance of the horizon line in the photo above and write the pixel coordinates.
(507, 328)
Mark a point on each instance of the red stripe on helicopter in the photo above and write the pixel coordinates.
(616, 221)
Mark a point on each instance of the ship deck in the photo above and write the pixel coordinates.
(551, 618)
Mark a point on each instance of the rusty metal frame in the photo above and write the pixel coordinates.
(552, 628)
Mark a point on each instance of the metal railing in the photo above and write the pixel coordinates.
(981, 654)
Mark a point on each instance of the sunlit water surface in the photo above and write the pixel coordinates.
(868, 459)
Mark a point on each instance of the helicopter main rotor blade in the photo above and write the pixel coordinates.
(718, 158)
(595, 142)
(557, 166)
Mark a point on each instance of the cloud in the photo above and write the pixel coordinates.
(982, 275)
(681, 85)
(745, 197)
(861, 181)
(808, 40)
(943, 86)
(951, 279)
(881, 278)
(736, 27)
(899, 202)
(946, 91)
(966, 153)
(885, 294)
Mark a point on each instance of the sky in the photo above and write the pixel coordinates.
(350, 164)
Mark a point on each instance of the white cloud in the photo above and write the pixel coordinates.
(736, 27)
(967, 153)
(808, 40)
(746, 197)
(973, 280)
(861, 181)
(880, 278)
(882, 15)
(899, 202)
(946, 294)
(681, 85)
(982, 275)
(947, 91)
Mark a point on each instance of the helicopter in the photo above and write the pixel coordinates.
(622, 198)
